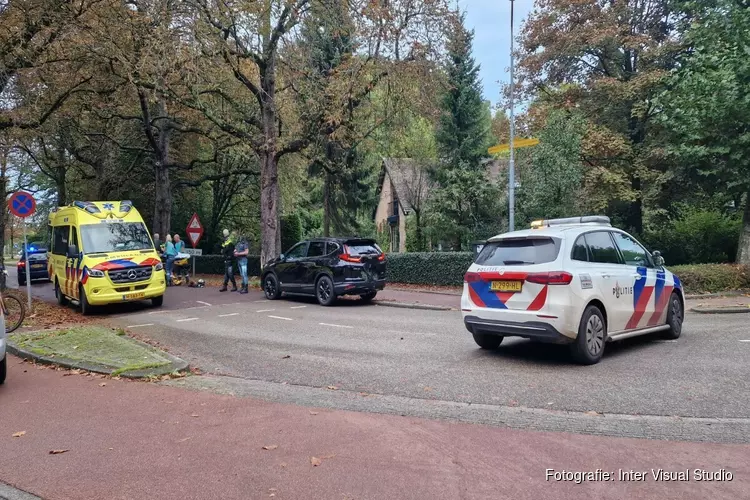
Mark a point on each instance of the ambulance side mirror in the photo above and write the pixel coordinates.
(72, 251)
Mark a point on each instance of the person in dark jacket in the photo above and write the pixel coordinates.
(227, 250)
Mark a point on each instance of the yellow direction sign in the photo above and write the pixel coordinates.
(519, 143)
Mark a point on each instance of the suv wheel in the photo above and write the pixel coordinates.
(271, 287)
(369, 296)
(674, 317)
(324, 291)
(487, 341)
(588, 347)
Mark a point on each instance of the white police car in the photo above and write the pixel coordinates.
(576, 281)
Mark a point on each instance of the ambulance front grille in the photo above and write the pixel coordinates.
(131, 274)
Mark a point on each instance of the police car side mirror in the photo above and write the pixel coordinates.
(72, 251)
(658, 259)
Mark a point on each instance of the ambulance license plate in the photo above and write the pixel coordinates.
(134, 296)
(506, 286)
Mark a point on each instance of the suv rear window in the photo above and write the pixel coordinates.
(362, 248)
(519, 251)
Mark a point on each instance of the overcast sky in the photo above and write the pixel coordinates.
(490, 20)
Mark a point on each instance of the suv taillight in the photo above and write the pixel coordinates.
(472, 277)
(550, 278)
(347, 257)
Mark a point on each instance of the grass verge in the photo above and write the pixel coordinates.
(91, 345)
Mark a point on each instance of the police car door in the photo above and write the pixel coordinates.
(609, 275)
(643, 278)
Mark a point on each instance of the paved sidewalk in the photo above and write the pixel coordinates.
(132, 440)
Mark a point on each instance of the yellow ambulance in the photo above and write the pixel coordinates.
(101, 253)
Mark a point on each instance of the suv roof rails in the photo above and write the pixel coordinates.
(602, 220)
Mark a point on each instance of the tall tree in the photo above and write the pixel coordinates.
(609, 59)
(464, 131)
(460, 205)
(707, 107)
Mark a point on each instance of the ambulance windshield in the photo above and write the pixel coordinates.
(115, 237)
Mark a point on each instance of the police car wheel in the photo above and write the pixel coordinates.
(61, 300)
(588, 347)
(487, 341)
(674, 317)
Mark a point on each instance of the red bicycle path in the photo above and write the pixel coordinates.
(137, 440)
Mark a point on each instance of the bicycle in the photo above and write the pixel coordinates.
(13, 310)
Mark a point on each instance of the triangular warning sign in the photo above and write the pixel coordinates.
(194, 237)
(194, 224)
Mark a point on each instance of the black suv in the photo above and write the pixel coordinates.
(37, 262)
(327, 268)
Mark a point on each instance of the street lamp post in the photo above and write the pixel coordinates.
(511, 165)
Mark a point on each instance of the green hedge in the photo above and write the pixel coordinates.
(428, 268)
(214, 264)
(712, 278)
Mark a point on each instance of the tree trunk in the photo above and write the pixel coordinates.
(743, 250)
(60, 185)
(162, 200)
(635, 210)
(270, 235)
(418, 232)
(327, 204)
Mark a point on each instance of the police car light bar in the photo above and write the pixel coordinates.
(587, 219)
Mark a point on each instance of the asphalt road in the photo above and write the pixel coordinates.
(424, 357)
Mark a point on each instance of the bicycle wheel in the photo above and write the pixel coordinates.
(15, 312)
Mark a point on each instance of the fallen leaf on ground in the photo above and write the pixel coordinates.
(286, 357)
(184, 439)
(427, 389)
(315, 461)
(363, 394)
(58, 452)
(19, 434)
(283, 464)
(333, 387)
(103, 384)
(313, 412)
(592, 413)
(195, 415)
(270, 447)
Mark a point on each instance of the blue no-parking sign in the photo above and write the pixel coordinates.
(22, 204)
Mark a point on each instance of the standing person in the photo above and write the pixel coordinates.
(240, 252)
(170, 253)
(157, 244)
(227, 250)
(179, 245)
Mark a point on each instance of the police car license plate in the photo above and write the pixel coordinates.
(133, 296)
(506, 286)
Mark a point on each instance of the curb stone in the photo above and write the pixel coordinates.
(415, 290)
(8, 492)
(721, 310)
(176, 364)
(408, 305)
(730, 293)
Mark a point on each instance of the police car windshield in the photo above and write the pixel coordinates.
(519, 251)
(115, 237)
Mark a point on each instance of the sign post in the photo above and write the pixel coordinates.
(23, 205)
(194, 232)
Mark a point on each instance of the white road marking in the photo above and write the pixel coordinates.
(230, 314)
(262, 300)
(140, 326)
(665, 341)
(335, 326)
(265, 310)
(186, 319)
(159, 312)
(204, 303)
(298, 307)
(744, 340)
(281, 317)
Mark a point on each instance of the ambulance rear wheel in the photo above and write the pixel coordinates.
(61, 300)
(85, 306)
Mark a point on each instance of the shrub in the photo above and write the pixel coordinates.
(428, 268)
(712, 278)
(698, 237)
(214, 264)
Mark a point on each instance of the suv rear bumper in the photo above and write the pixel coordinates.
(535, 330)
(358, 287)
